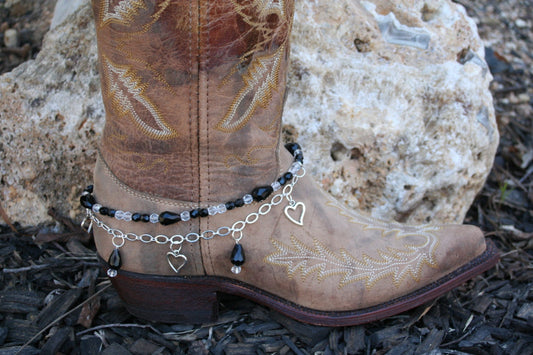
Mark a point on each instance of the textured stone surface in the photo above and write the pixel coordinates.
(389, 99)
(50, 116)
(405, 130)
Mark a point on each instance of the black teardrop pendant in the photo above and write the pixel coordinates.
(237, 258)
(114, 259)
(114, 263)
(237, 255)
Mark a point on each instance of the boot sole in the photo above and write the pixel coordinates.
(194, 299)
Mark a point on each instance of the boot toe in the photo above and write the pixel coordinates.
(458, 245)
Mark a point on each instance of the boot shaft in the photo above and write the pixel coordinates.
(193, 92)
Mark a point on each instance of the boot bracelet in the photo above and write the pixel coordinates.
(175, 258)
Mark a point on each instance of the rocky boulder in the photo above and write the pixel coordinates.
(390, 101)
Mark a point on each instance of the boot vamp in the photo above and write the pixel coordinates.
(338, 259)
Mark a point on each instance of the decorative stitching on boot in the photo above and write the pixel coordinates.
(247, 159)
(123, 12)
(260, 80)
(389, 262)
(118, 76)
(190, 91)
(137, 194)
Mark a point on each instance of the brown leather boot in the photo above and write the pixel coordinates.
(193, 195)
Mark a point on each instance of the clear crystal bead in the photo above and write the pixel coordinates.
(127, 216)
(212, 210)
(185, 216)
(295, 167)
(112, 272)
(222, 208)
(297, 151)
(96, 207)
(119, 215)
(235, 269)
(276, 186)
(154, 218)
(248, 199)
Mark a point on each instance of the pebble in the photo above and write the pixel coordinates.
(523, 98)
(11, 38)
(520, 23)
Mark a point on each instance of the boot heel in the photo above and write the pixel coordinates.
(167, 299)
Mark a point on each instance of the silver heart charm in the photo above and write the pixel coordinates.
(176, 260)
(293, 208)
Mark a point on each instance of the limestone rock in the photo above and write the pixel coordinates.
(390, 101)
(50, 117)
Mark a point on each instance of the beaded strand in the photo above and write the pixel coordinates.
(261, 193)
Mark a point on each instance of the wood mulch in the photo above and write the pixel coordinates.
(54, 299)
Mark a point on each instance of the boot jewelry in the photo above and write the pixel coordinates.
(114, 263)
(175, 258)
(261, 193)
(295, 206)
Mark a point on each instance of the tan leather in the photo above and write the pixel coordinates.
(194, 92)
(338, 260)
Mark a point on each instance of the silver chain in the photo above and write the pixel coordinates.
(119, 237)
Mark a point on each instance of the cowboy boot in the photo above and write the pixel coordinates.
(194, 196)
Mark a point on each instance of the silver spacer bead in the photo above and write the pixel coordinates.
(236, 269)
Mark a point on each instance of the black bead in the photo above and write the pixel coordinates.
(230, 205)
(167, 218)
(89, 189)
(204, 212)
(104, 211)
(282, 180)
(261, 193)
(239, 202)
(146, 218)
(237, 255)
(111, 212)
(195, 213)
(288, 175)
(87, 201)
(136, 217)
(299, 158)
(292, 147)
(114, 260)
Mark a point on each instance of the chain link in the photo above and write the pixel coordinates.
(119, 237)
